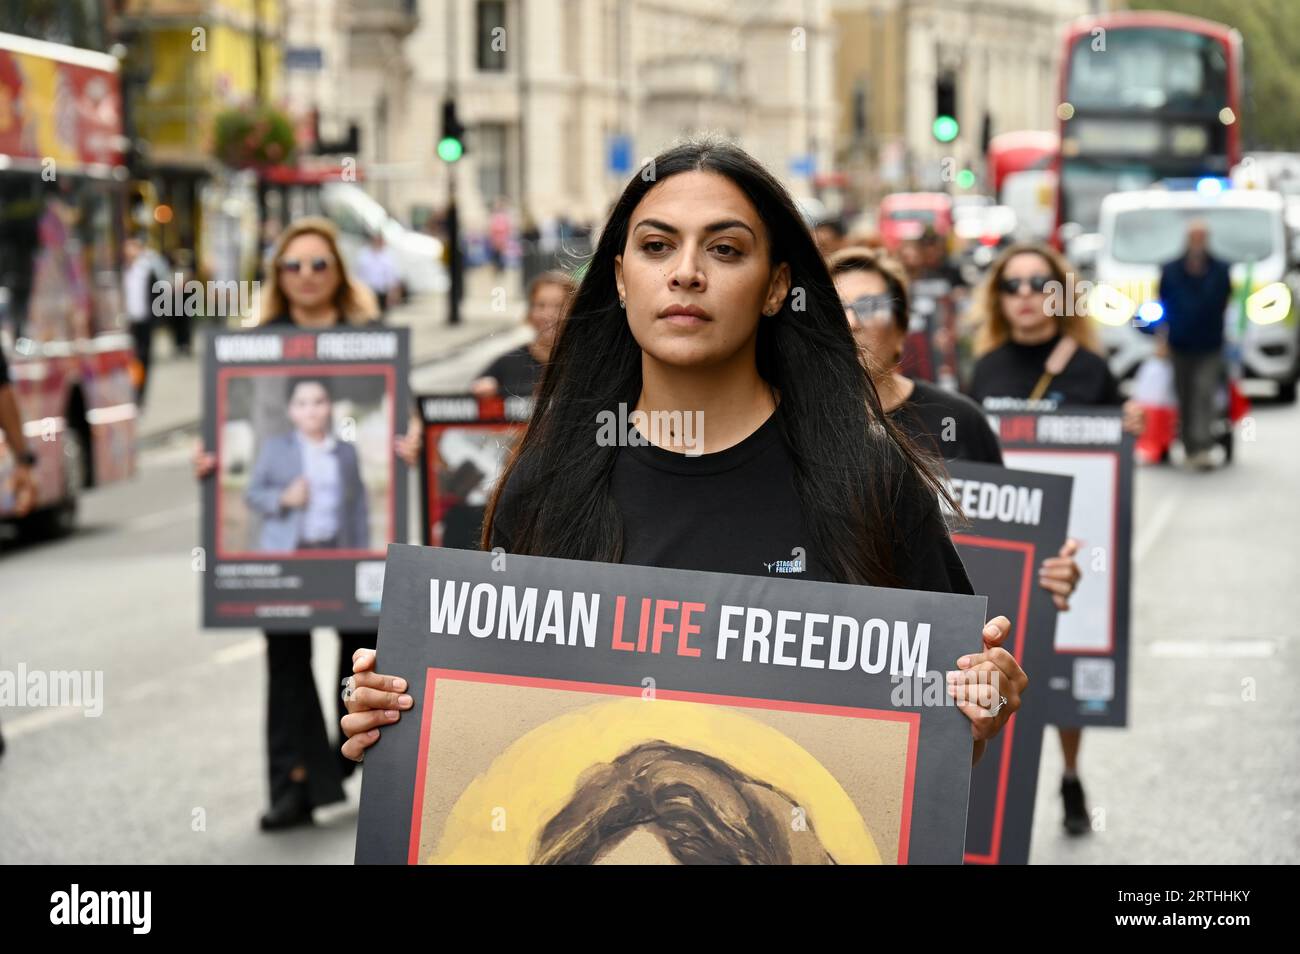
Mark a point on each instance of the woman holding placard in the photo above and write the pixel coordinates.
(707, 299)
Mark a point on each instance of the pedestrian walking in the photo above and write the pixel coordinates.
(1032, 344)
(1194, 290)
(377, 269)
(307, 286)
(143, 270)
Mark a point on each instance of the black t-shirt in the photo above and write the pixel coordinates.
(1012, 371)
(517, 372)
(947, 423)
(737, 511)
(4, 369)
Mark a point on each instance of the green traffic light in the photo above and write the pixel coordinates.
(966, 179)
(450, 149)
(945, 128)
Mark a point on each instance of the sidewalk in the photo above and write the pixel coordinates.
(173, 400)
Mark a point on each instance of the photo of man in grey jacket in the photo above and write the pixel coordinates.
(306, 485)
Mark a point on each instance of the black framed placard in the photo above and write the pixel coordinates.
(308, 491)
(1088, 681)
(1013, 521)
(573, 712)
(467, 441)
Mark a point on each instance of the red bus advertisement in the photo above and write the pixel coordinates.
(1143, 96)
(62, 213)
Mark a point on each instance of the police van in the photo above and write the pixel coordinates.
(1142, 230)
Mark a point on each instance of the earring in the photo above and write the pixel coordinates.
(621, 303)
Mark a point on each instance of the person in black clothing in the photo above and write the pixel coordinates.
(1194, 289)
(1036, 345)
(707, 296)
(516, 373)
(307, 286)
(874, 291)
(1023, 318)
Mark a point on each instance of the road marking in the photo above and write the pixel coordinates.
(45, 718)
(239, 652)
(1206, 649)
(13, 728)
(152, 521)
(1151, 532)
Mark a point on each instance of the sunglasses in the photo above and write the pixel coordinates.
(1012, 286)
(869, 308)
(296, 266)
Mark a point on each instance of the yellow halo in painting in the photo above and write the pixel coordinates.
(536, 776)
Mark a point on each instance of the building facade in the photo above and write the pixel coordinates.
(563, 99)
(1000, 59)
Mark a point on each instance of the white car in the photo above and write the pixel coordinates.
(1143, 230)
(358, 216)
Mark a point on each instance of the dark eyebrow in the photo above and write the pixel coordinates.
(711, 227)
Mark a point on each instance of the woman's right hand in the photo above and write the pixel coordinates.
(376, 701)
(484, 387)
(204, 462)
(295, 495)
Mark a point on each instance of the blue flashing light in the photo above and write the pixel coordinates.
(1150, 312)
(1205, 185)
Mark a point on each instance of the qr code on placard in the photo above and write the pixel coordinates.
(1094, 680)
(370, 581)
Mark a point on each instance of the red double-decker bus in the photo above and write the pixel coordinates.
(1143, 96)
(62, 214)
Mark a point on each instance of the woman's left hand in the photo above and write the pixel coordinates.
(409, 444)
(981, 680)
(1135, 418)
(1060, 575)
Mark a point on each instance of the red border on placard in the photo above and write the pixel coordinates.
(433, 675)
(299, 370)
(1009, 730)
(1114, 537)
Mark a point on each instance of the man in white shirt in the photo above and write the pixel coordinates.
(141, 273)
(378, 269)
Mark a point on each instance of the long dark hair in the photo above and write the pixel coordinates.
(851, 464)
(704, 810)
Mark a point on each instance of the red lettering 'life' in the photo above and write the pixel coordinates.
(619, 642)
(688, 629)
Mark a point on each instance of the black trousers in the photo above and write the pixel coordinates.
(296, 734)
(142, 333)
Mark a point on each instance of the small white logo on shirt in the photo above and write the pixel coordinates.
(797, 565)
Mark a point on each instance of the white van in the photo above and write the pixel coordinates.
(1143, 230)
(358, 216)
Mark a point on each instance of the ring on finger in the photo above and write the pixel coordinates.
(1002, 701)
(349, 687)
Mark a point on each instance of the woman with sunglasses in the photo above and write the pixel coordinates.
(307, 286)
(706, 297)
(874, 291)
(1034, 342)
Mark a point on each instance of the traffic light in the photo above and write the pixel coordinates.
(945, 127)
(452, 144)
